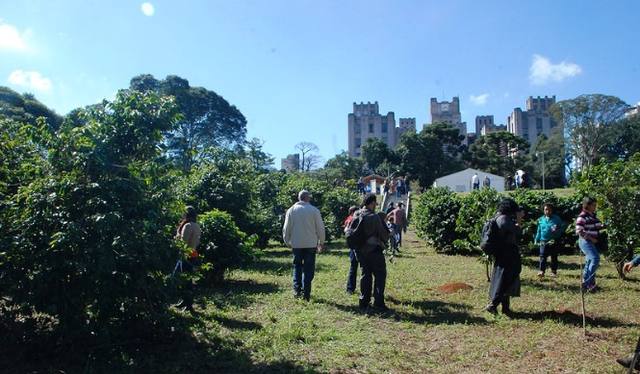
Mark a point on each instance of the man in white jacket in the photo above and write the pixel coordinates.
(303, 231)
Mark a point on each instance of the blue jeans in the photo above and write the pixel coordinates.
(591, 263)
(304, 267)
(353, 271)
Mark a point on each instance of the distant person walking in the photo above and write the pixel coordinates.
(400, 219)
(353, 267)
(371, 256)
(390, 208)
(550, 228)
(303, 231)
(486, 182)
(475, 182)
(188, 231)
(588, 228)
(505, 281)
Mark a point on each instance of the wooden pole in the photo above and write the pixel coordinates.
(584, 314)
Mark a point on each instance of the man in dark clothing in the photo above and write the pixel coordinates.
(505, 281)
(371, 256)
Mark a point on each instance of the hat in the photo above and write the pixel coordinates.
(303, 195)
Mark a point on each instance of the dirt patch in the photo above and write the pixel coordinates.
(454, 287)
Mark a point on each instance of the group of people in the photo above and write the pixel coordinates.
(304, 232)
(475, 182)
(397, 186)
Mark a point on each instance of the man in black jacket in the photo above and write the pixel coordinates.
(505, 281)
(371, 257)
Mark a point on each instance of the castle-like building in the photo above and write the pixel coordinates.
(448, 112)
(366, 122)
(534, 121)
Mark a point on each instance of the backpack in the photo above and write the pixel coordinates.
(354, 232)
(490, 236)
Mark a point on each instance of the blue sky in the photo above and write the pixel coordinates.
(294, 68)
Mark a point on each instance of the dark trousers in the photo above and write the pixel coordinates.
(353, 271)
(373, 265)
(548, 250)
(304, 267)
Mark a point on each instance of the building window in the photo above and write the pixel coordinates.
(371, 128)
(358, 142)
(384, 127)
(356, 128)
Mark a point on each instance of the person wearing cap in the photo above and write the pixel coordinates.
(304, 233)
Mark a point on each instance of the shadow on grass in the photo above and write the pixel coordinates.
(534, 263)
(433, 312)
(238, 293)
(282, 267)
(146, 347)
(568, 317)
(551, 285)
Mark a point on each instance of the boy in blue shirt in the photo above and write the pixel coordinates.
(550, 228)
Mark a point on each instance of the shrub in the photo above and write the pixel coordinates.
(91, 241)
(475, 208)
(435, 213)
(223, 246)
(615, 186)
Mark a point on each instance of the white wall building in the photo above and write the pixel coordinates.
(461, 181)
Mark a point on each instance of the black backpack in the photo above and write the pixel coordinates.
(489, 240)
(354, 233)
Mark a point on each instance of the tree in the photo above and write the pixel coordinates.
(346, 167)
(375, 152)
(421, 157)
(207, 120)
(307, 149)
(500, 153)
(448, 135)
(26, 109)
(261, 160)
(586, 120)
(555, 160)
(623, 139)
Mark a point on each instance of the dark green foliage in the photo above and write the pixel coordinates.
(475, 209)
(616, 187)
(91, 238)
(623, 139)
(207, 119)
(26, 109)
(222, 245)
(375, 152)
(345, 167)
(435, 214)
(489, 153)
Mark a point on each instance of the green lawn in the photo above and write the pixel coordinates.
(252, 323)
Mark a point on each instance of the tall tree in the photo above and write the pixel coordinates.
(551, 153)
(207, 119)
(375, 152)
(421, 157)
(261, 160)
(585, 120)
(346, 167)
(309, 157)
(26, 109)
(623, 139)
(500, 153)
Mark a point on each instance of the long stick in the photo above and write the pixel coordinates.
(635, 357)
(584, 318)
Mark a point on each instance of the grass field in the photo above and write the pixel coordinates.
(252, 323)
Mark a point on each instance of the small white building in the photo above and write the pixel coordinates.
(462, 180)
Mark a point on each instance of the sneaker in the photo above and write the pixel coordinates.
(554, 274)
(381, 308)
(491, 309)
(350, 292)
(541, 274)
(626, 361)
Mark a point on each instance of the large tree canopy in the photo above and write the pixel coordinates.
(26, 109)
(375, 152)
(585, 120)
(207, 119)
(500, 153)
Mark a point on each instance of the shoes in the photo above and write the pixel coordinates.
(350, 292)
(491, 309)
(381, 308)
(554, 274)
(541, 274)
(626, 361)
(590, 288)
(306, 297)
(181, 304)
(297, 295)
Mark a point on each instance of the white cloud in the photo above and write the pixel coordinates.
(10, 38)
(147, 9)
(479, 100)
(542, 71)
(32, 80)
